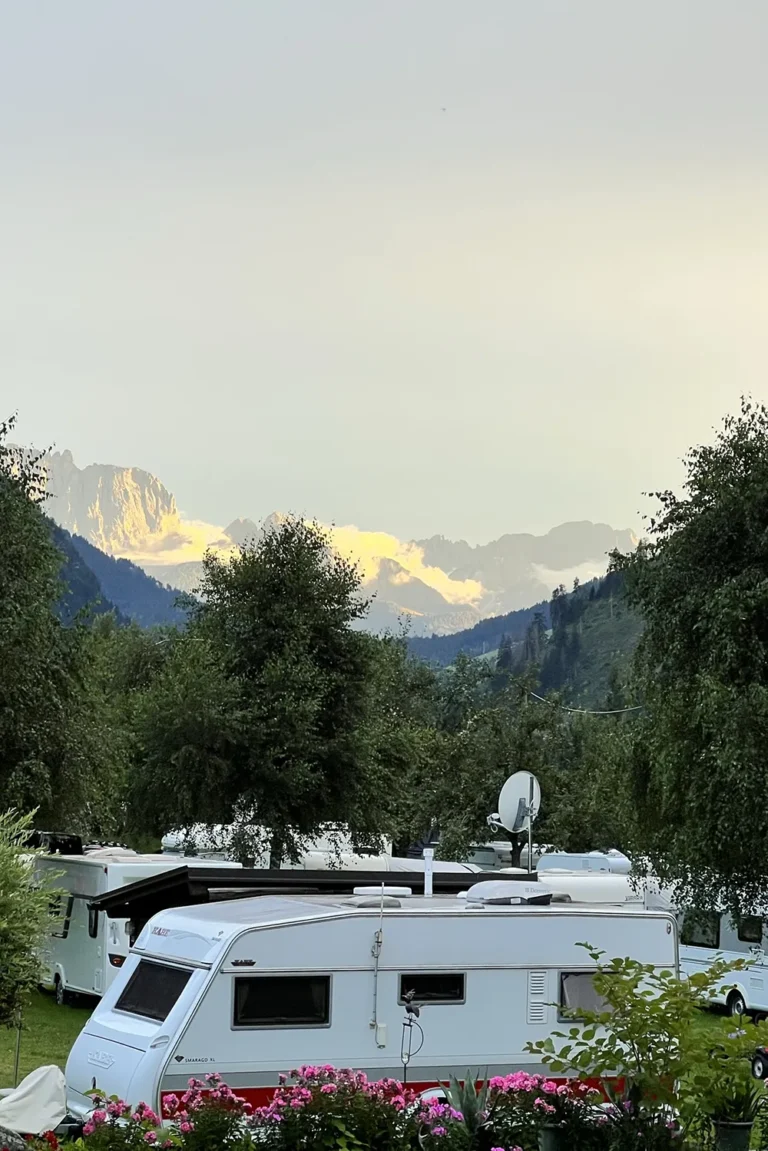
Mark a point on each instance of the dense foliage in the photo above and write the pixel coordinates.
(697, 768)
(24, 918)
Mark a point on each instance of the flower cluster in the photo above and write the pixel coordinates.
(113, 1123)
(314, 1104)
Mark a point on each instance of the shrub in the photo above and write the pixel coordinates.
(323, 1109)
(24, 917)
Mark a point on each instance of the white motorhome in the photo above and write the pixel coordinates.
(612, 862)
(706, 936)
(254, 987)
(84, 951)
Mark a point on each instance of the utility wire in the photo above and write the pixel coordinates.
(584, 710)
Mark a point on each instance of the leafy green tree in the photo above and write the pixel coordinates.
(258, 717)
(47, 737)
(24, 918)
(697, 764)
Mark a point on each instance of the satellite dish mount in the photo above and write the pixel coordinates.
(519, 803)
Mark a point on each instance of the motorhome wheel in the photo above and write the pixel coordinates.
(736, 1005)
(62, 997)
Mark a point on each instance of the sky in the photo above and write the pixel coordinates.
(422, 266)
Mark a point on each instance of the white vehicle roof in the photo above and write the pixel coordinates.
(200, 933)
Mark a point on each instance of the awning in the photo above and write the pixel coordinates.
(184, 886)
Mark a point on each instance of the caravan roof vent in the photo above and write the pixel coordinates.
(397, 892)
(506, 891)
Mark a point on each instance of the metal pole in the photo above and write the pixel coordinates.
(18, 1051)
(429, 855)
(530, 825)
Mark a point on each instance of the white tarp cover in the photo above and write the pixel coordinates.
(37, 1105)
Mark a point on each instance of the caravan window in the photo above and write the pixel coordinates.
(577, 992)
(282, 1001)
(700, 929)
(447, 987)
(153, 990)
(93, 922)
(750, 929)
(65, 920)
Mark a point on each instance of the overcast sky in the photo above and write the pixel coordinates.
(426, 266)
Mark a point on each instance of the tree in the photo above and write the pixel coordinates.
(47, 737)
(24, 918)
(697, 762)
(504, 659)
(259, 714)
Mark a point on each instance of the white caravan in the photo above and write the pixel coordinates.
(84, 951)
(254, 987)
(706, 936)
(612, 862)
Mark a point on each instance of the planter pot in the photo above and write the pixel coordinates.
(732, 1136)
(552, 1139)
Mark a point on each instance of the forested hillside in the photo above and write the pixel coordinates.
(134, 593)
(481, 639)
(580, 643)
(587, 654)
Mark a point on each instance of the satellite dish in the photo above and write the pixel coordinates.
(519, 801)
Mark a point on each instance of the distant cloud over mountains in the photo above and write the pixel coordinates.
(439, 585)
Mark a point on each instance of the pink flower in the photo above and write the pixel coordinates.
(98, 1118)
(88, 1129)
(150, 1137)
(439, 1131)
(328, 1089)
(186, 1127)
(549, 1087)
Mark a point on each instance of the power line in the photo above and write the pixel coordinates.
(584, 710)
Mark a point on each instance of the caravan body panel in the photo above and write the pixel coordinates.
(252, 988)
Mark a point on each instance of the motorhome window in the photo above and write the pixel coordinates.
(445, 987)
(93, 922)
(282, 1001)
(577, 993)
(750, 929)
(153, 990)
(700, 929)
(65, 920)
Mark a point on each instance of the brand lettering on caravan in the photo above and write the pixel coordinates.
(160, 931)
(100, 1058)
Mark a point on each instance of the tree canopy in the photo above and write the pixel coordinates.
(697, 766)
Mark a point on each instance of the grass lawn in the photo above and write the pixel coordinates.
(49, 1032)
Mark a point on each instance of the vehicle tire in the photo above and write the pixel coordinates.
(735, 1005)
(62, 998)
(759, 1066)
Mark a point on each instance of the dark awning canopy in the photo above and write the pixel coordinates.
(185, 886)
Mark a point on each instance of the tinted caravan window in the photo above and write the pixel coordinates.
(750, 929)
(577, 992)
(446, 987)
(65, 919)
(153, 990)
(282, 1001)
(700, 929)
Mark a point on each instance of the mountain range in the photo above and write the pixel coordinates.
(439, 586)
